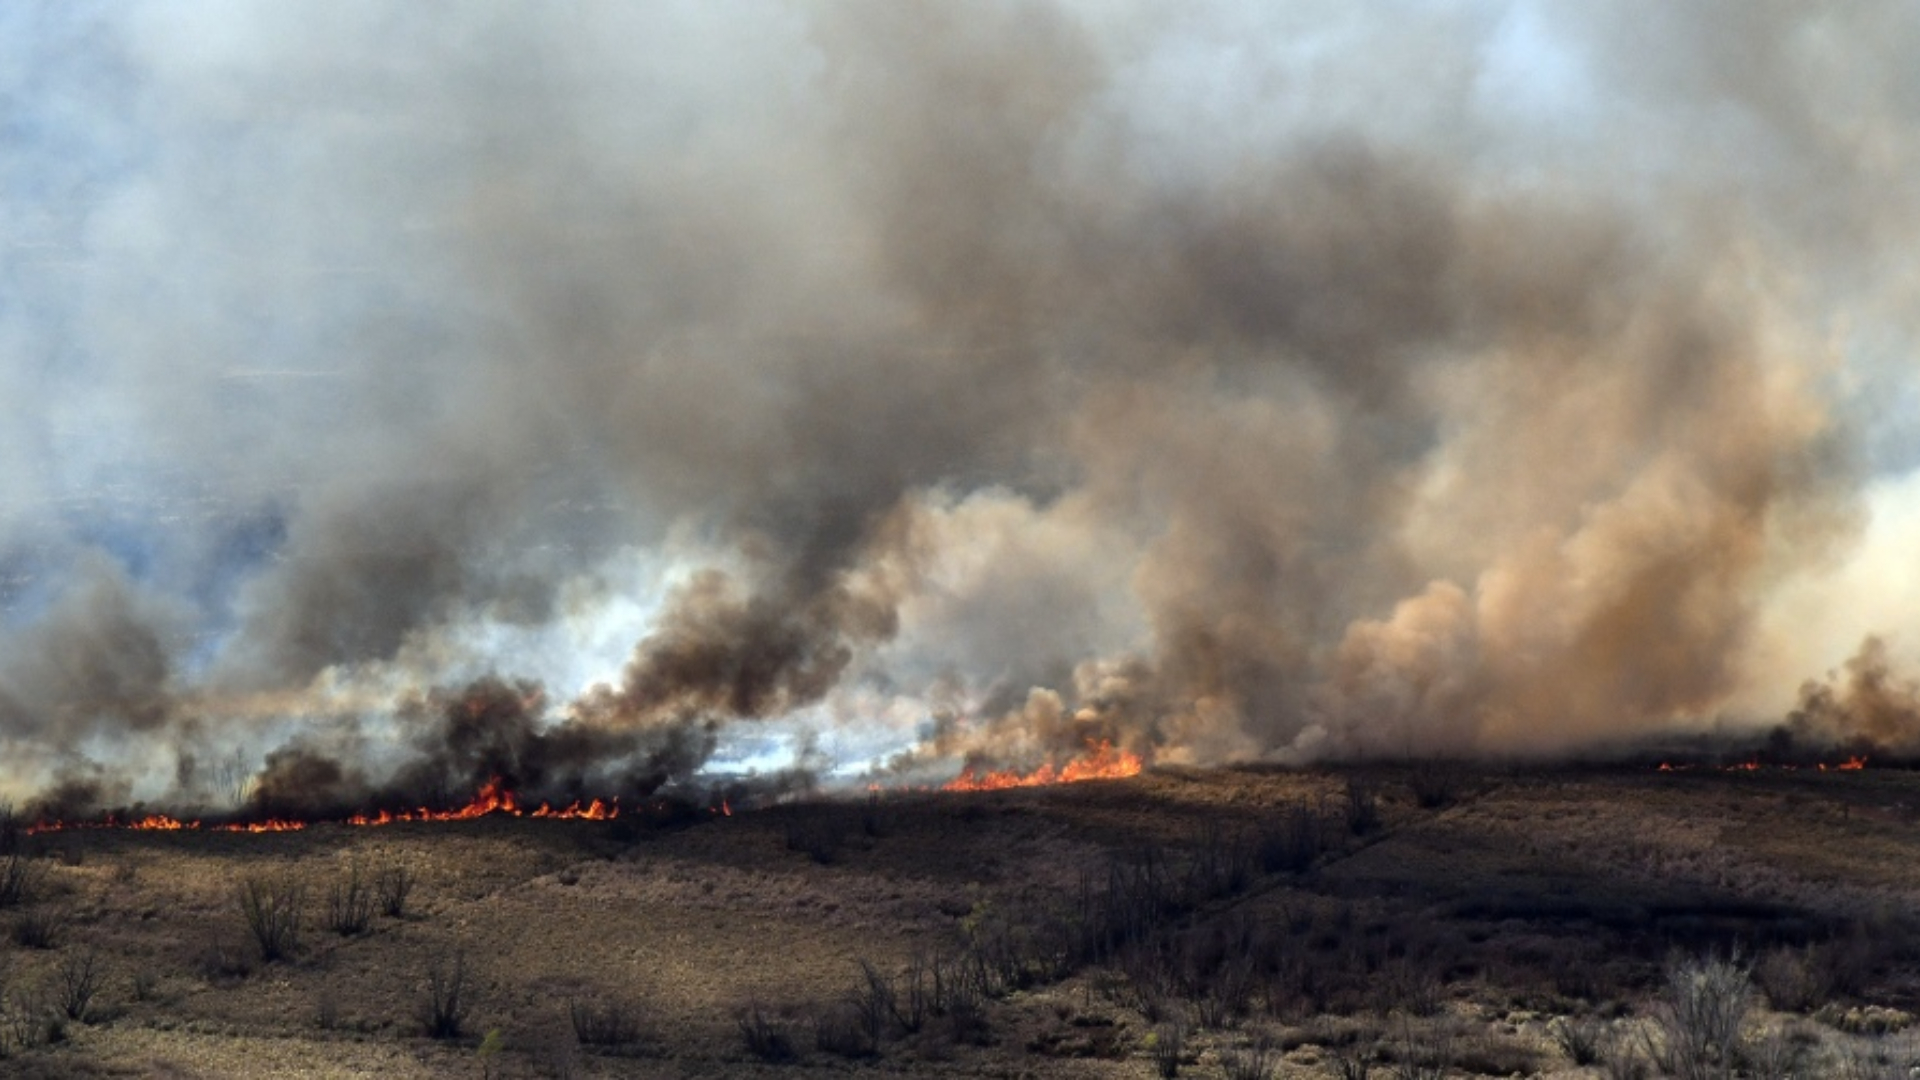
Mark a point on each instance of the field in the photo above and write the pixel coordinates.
(1392, 922)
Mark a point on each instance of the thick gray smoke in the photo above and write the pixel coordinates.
(700, 386)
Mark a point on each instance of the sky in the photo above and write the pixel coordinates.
(876, 388)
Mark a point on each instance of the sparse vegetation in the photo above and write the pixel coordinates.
(443, 1008)
(764, 1038)
(604, 1021)
(1254, 1061)
(350, 904)
(1696, 1033)
(272, 907)
(1168, 1044)
(37, 928)
(18, 874)
(393, 885)
(79, 979)
(1055, 926)
(1581, 1038)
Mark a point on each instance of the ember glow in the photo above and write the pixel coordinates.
(1101, 762)
(1855, 763)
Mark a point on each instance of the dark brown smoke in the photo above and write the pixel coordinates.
(918, 385)
(1866, 705)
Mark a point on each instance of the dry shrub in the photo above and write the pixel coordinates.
(219, 959)
(1254, 1061)
(37, 929)
(842, 1029)
(1698, 1020)
(765, 1038)
(19, 875)
(392, 885)
(1435, 784)
(605, 1022)
(1582, 1038)
(272, 910)
(350, 904)
(443, 1007)
(76, 984)
(1168, 1043)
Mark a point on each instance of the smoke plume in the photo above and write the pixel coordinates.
(400, 396)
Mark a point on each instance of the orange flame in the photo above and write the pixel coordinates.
(1100, 762)
(1853, 764)
(493, 798)
(269, 825)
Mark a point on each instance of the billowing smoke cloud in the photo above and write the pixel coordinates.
(906, 384)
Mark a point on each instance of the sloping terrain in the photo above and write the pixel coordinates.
(1426, 922)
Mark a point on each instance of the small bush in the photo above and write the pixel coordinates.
(1349, 1061)
(1169, 1044)
(918, 993)
(76, 983)
(606, 1022)
(272, 908)
(30, 1021)
(842, 1030)
(875, 1003)
(1426, 1054)
(966, 1016)
(1620, 1057)
(1255, 1061)
(18, 876)
(37, 929)
(764, 1038)
(1698, 1020)
(443, 1009)
(393, 884)
(350, 905)
(144, 984)
(219, 959)
(1778, 1053)
(1580, 1038)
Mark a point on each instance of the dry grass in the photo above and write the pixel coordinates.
(1511, 926)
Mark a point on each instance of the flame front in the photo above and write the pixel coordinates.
(494, 797)
(1856, 763)
(1100, 762)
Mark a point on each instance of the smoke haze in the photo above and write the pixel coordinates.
(397, 395)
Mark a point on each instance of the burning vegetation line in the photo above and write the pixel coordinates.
(1856, 763)
(494, 797)
(1101, 762)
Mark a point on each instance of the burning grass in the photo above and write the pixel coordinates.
(1055, 929)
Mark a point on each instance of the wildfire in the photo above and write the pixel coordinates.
(494, 797)
(1100, 762)
(1853, 764)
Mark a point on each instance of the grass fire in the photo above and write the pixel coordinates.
(1011, 537)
